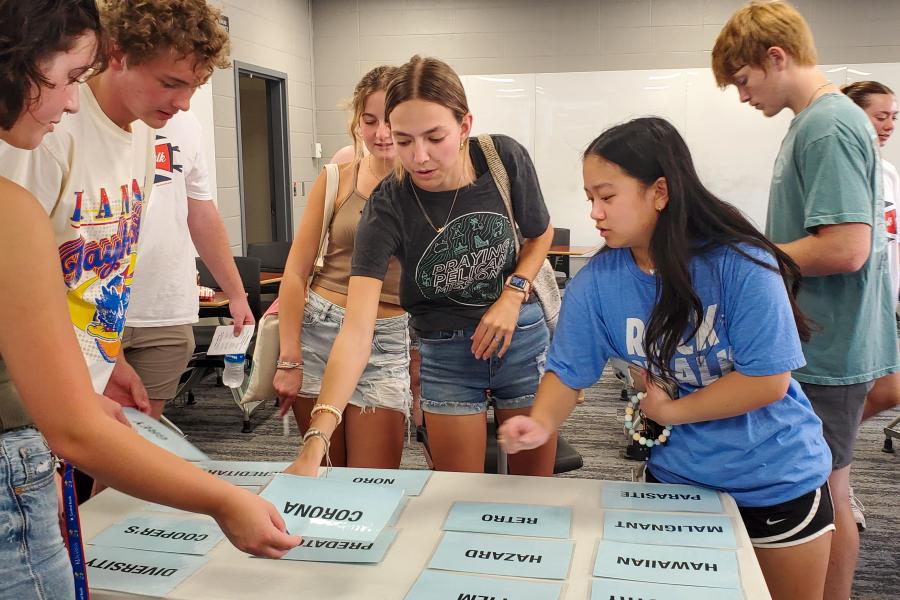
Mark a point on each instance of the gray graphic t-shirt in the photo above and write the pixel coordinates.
(450, 278)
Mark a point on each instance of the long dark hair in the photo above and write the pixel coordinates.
(30, 31)
(694, 222)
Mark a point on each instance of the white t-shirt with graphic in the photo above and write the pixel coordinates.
(165, 286)
(92, 178)
(891, 197)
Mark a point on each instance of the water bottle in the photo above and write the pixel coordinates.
(233, 376)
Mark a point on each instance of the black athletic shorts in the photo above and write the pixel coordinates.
(790, 523)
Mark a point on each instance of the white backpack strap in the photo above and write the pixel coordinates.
(501, 177)
(332, 181)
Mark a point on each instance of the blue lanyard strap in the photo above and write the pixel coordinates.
(73, 534)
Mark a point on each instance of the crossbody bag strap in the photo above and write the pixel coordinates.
(332, 182)
(501, 177)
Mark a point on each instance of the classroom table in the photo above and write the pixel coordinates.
(566, 250)
(218, 301)
(231, 574)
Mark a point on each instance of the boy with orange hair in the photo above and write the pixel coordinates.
(826, 212)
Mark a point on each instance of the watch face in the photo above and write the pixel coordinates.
(519, 282)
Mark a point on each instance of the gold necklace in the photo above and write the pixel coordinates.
(372, 171)
(452, 204)
(813, 95)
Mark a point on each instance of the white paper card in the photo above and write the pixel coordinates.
(225, 342)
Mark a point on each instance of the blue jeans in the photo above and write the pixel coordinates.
(454, 382)
(34, 563)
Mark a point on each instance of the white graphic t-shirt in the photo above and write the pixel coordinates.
(92, 178)
(891, 197)
(165, 287)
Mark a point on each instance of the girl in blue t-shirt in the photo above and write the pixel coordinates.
(687, 289)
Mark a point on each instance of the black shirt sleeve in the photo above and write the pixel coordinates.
(378, 236)
(527, 200)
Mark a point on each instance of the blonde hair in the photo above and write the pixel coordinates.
(431, 80)
(142, 30)
(752, 30)
(376, 80)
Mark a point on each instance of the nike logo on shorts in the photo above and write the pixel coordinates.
(775, 522)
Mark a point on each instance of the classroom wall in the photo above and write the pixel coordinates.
(479, 37)
(274, 34)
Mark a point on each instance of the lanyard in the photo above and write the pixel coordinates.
(73, 534)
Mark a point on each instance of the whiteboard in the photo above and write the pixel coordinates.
(556, 115)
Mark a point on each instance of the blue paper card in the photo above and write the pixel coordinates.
(503, 555)
(162, 533)
(411, 481)
(668, 530)
(243, 473)
(665, 564)
(663, 497)
(606, 589)
(343, 551)
(164, 437)
(510, 519)
(323, 508)
(138, 571)
(436, 585)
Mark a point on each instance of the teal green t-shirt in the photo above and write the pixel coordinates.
(828, 171)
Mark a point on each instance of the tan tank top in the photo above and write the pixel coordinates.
(12, 411)
(335, 274)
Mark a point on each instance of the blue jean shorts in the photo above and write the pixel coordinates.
(385, 381)
(34, 563)
(454, 382)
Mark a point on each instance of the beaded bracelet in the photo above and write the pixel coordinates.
(313, 432)
(287, 364)
(327, 408)
(634, 421)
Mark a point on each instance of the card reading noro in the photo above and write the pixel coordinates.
(162, 533)
(138, 571)
(665, 564)
(322, 508)
(510, 519)
(411, 481)
(662, 497)
(503, 555)
(437, 585)
(637, 527)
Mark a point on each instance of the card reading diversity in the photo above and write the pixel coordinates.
(436, 585)
(664, 564)
(343, 551)
(138, 571)
(243, 473)
(410, 481)
(611, 589)
(322, 508)
(660, 497)
(503, 555)
(164, 437)
(510, 519)
(668, 530)
(162, 533)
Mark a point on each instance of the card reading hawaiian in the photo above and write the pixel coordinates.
(411, 481)
(503, 555)
(664, 564)
(162, 533)
(609, 589)
(638, 527)
(138, 571)
(437, 585)
(659, 497)
(164, 437)
(343, 551)
(323, 508)
(510, 519)
(243, 473)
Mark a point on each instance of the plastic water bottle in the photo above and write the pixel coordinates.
(233, 376)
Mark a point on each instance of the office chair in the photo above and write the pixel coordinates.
(560, 263)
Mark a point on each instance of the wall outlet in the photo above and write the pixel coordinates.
(317, 150)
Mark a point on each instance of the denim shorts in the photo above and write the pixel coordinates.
(34, 563)
(385, 381)
(454, 382)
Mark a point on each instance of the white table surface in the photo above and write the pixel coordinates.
(231, 574)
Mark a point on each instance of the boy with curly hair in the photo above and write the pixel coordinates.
(827, 212)
(94, 173)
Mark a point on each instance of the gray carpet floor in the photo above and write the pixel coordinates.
(213, 424)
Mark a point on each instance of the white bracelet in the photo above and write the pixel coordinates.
(327, 408)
